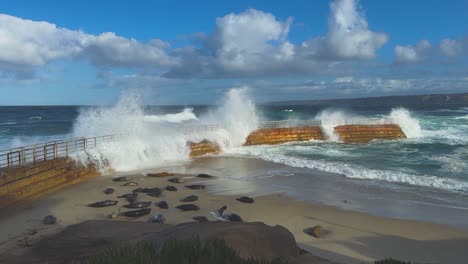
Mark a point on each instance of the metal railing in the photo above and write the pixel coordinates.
(289, 123)
(38, 153)
(361, 121)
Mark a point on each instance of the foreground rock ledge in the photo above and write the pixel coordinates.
(255, 240)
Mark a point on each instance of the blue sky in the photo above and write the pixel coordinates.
(174, 52)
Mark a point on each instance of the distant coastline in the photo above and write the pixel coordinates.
(459, 99)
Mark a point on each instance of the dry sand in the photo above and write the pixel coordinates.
(351, 237)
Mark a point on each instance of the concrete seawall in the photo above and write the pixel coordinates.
(283, 135)
(33, 181)
(366, 133)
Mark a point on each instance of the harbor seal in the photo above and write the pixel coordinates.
(159, 218)
(136, 213)
(205, 176)
(191, 198)
(245, 199)
(163, 205)
(188, 207)
(49, 220)
(104, 203)
(200, 219)
(140, 204)
(122, 178)
(195, 186)
(171, 188)
(130, 197)
(130, 184)
(108, 191)
(176, 180)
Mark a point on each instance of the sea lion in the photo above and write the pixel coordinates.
(188, 207)
(163, 205)
(122, 178)
(191, 198)
(221, 210)
(137, 213)
(141, 204)
(171, 188)
(49, 220)
(130, 184)
(176, 180)
(195, 186)
(104, 203)
(245, 199)
(130, 197)
(159, 218)
(205, 176)
(108, 191)
(201, 219)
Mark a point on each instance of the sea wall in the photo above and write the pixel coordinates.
(33, 181)
(283, 135)
(366, 133)
(202, 148)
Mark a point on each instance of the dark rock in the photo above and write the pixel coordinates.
(160, 174)
(159, 218)
(191, 198)
(233, 217)
(163, 205)
(49, 220)
(171, 188)
(141, 204)
(137, 213)
(245, 199)
(195, 186)
(200, 219)
(123, 178)
(188, 207)
(176, 180)
(109, 191)
(205, 176)
(130, 184)
(316, 231)
(104, 203)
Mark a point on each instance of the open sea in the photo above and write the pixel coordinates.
(424, 175)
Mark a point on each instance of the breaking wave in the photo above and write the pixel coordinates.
(152, 140)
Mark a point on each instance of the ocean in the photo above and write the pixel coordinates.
(429, 167)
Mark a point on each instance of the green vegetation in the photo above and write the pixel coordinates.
(192, 251)
(391, 261)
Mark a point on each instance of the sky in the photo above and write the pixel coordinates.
(191, 52)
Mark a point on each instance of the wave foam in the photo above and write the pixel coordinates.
(409, 124)
(186, 115)
(353, 171)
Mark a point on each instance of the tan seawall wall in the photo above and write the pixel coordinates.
(366, 133)
(202, 148)
(283, 135)
(37, 180)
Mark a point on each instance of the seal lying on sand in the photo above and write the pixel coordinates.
(122, 178)
(188, 207)
(136, 213)
(191, 198)
(163, 205)
(245, 199)
(130, 184)
(159, 218)
(130, 197)
(195, 186)
(171, 188)
(205, 176)
(154, 192)
(176, 180)
(200, 219)
(108, 191)
(104, 203)
(141, 204)
(220, 215)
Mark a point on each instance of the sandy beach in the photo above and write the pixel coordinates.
(351, 237)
